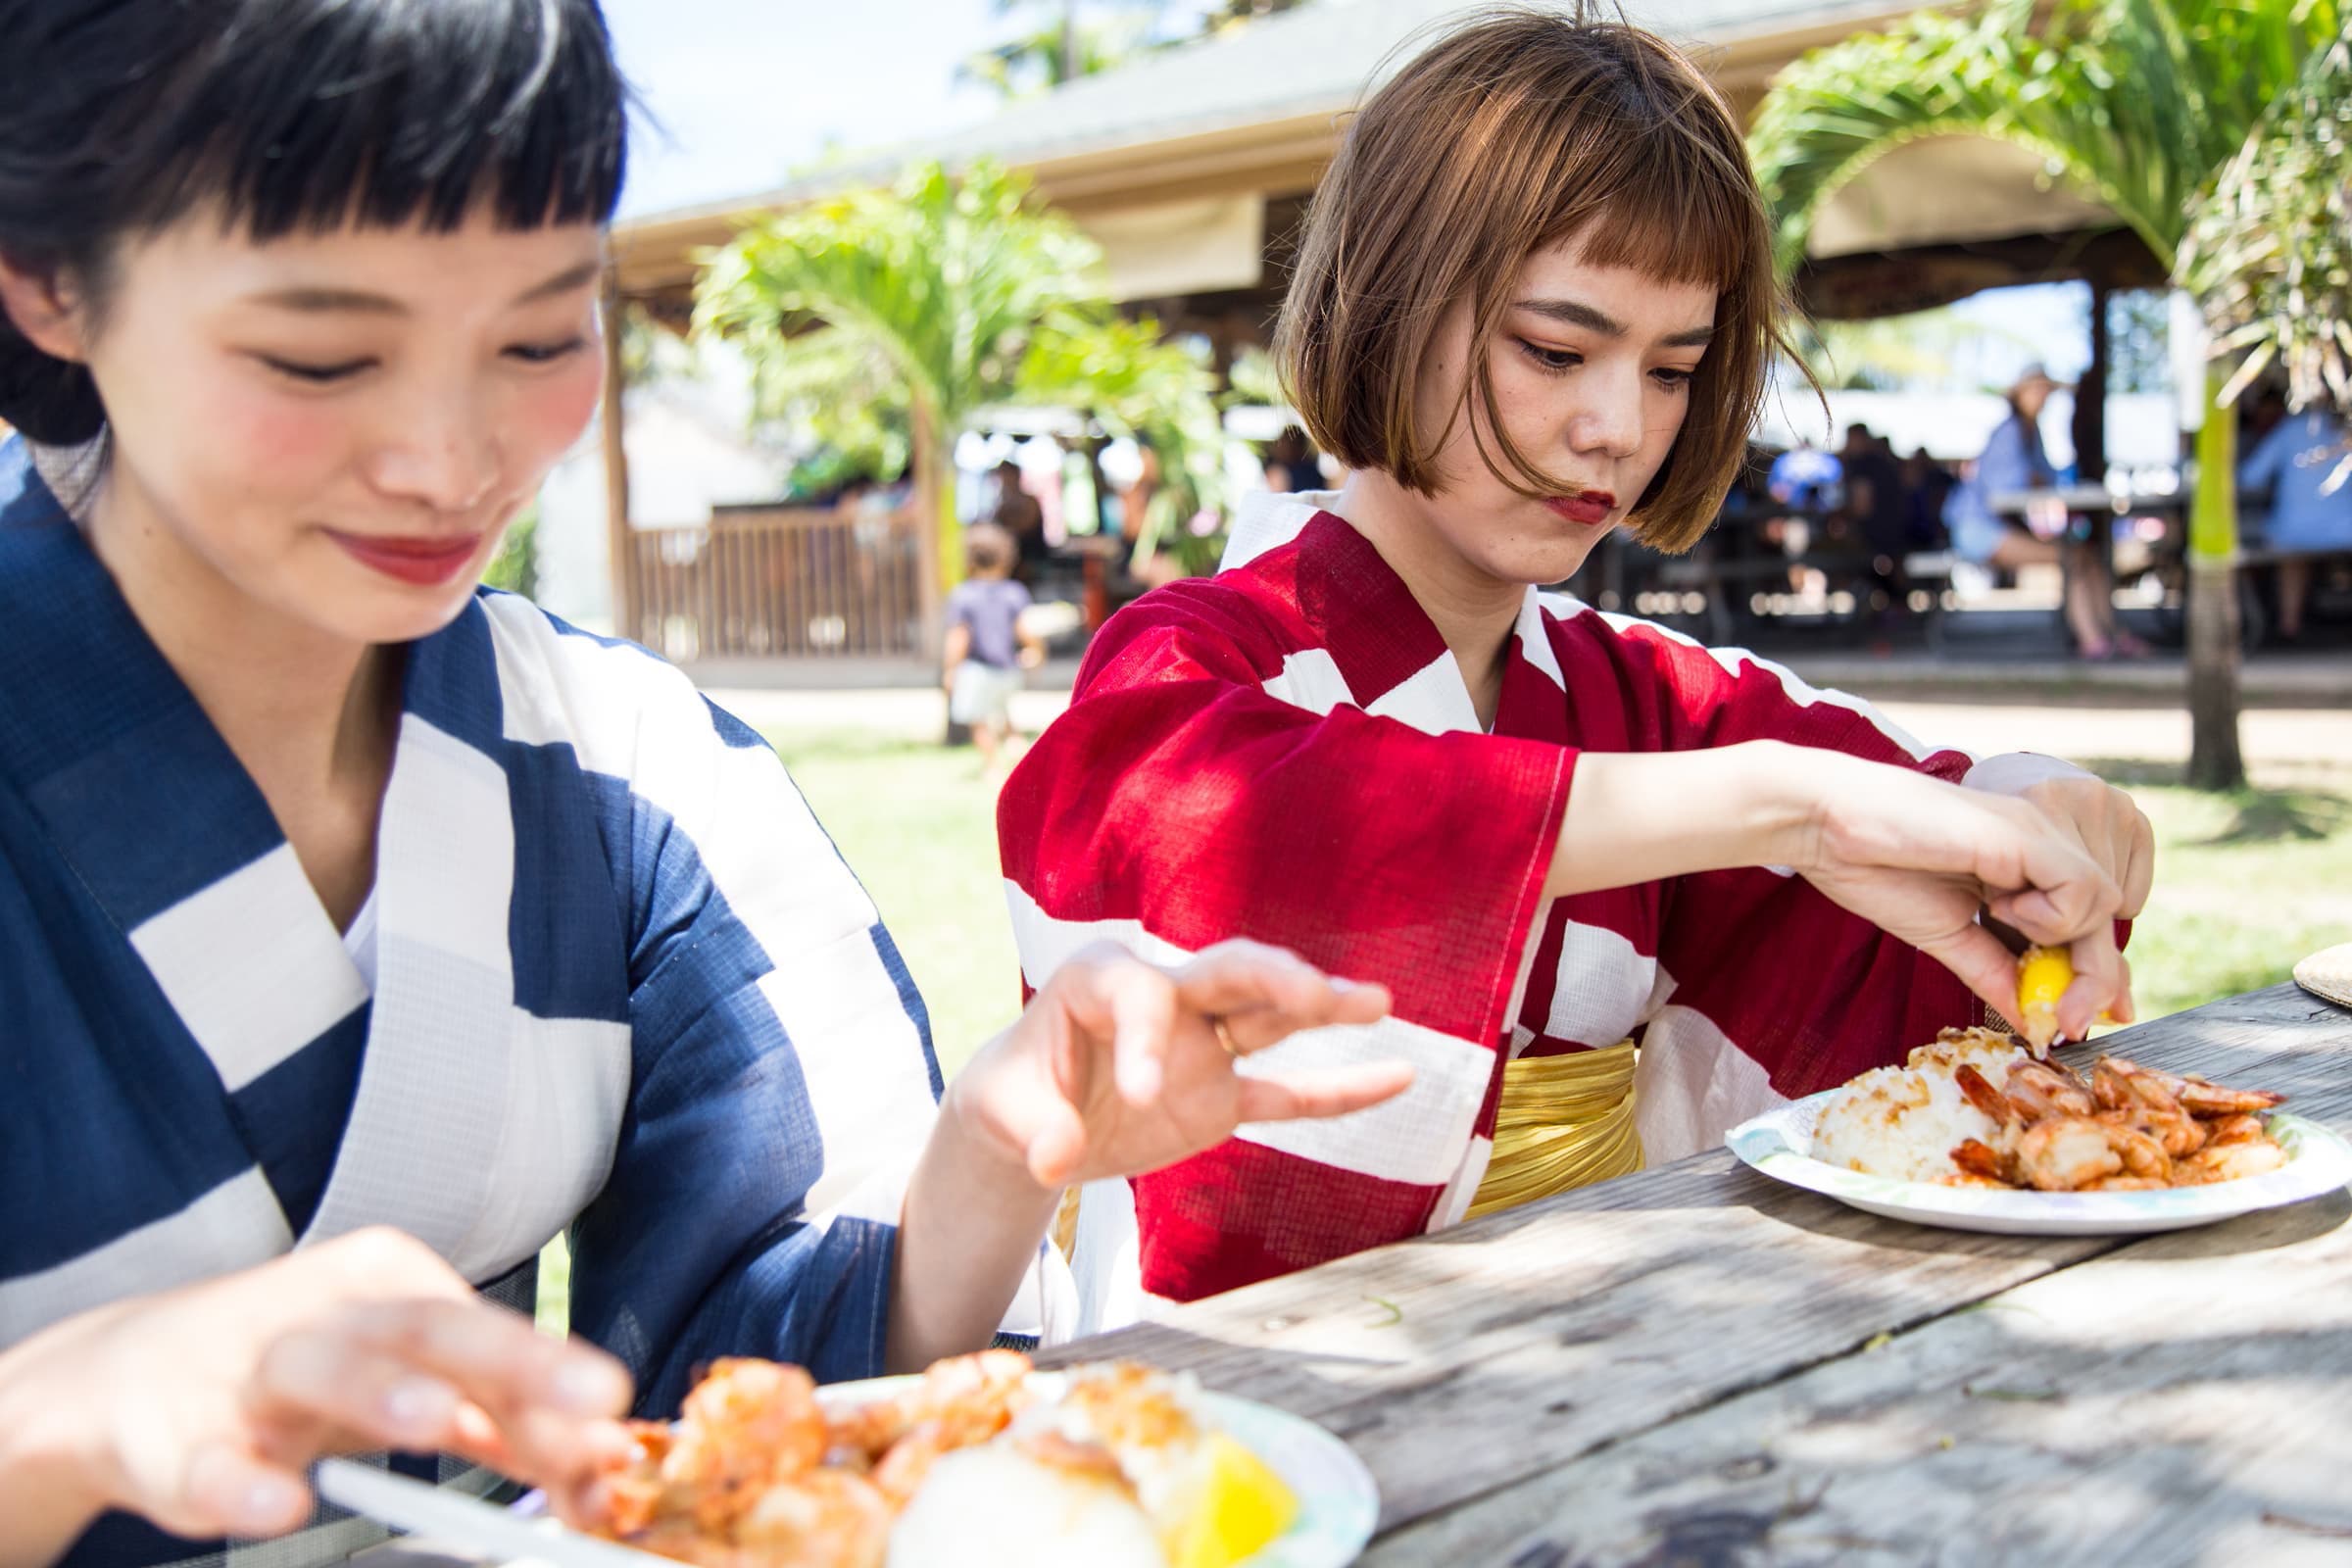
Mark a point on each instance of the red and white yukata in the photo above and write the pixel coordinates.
(1287, 752)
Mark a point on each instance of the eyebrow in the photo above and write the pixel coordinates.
(1574, 312)
(319, 301)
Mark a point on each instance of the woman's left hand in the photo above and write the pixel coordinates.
(2117, 835)
(1119, 1066)
(2109, 825)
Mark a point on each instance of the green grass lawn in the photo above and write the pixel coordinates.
(918, 826)
(2245, 884)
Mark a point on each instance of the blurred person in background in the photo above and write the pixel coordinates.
(2013, 462)
(2301, 464)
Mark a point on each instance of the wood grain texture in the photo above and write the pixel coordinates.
(1512, 1359)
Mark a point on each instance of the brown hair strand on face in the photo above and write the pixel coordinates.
(1516, 132)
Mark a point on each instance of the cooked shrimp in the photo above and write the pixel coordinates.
(1988, 1165)
(746, 1426)
(2240, 1128)
(900, 1472)
(826, 1518)
(627, 1493)
(973, 1397)
(1980, 1094)
(2065, 1153)
(2039, 1089)
(2202, 1099)
(2228, 1162)
(2123, 1089)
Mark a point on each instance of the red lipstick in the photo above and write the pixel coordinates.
(425, 562)
(1587, 507)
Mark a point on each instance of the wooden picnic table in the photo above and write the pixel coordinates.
(1701, 1365)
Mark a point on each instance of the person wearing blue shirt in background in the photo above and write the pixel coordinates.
(2013, 461)
(1804, 475)
(2311, 502)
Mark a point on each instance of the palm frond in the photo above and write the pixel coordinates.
(2269, 254)
(2136, 103)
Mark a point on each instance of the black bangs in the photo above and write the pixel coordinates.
(310, 114)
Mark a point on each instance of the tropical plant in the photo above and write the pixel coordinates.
(1135, 384)
(2270, 257)
(943, 280)
(884, 321)
(2138, 103)
(1059, 47)
(839, 392)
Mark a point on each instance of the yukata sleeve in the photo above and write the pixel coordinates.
(1205, 785)
(1778, 992)
(1210, 782)
(782, 1080)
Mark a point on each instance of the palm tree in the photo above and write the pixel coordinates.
(2270, 257)
(1060, 48)
(944, 279)
(1132, 383)
(2138, 103)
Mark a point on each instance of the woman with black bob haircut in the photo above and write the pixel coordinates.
(364, 929)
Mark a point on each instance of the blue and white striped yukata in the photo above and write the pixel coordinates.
(620, 981)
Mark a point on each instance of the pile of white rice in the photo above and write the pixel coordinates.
(1904, 1122)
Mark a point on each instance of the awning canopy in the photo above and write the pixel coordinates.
(1947, 190)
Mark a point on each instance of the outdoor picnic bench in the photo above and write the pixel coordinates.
(1697, 1364)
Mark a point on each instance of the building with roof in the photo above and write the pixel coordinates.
(1191, 167)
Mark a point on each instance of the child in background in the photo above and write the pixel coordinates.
(987, 646)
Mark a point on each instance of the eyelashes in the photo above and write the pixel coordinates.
(308, 374)
(548, 353)
(314, 375)
(1560, 361)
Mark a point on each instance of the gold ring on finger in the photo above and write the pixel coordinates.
(1225, 1037)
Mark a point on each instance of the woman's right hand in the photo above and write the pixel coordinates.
(199, 1408)
(1921, 859)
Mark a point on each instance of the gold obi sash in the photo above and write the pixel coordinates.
(1564, 1122)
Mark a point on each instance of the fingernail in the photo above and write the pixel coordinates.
(1338, 984)
(414, 1405)
(267, 1501)
(588, 1387)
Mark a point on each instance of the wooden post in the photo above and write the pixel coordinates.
(2215, 761)
(620, 539)
(933, 492)
(2090, 394)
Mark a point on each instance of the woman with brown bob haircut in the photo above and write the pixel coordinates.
(1627, 891)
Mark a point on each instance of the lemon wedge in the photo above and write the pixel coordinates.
(1241, 1506)
(2043, 976)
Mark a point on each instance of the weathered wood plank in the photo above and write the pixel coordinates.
(1463, 1363)
(2187, 1399)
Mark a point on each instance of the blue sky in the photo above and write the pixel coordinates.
(746, 90)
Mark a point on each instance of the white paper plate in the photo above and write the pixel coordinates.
(1780, 1144)
(1338, 1505)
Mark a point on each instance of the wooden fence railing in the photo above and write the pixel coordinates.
(778, 582)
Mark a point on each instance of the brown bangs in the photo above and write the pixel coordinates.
(1517, 132)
